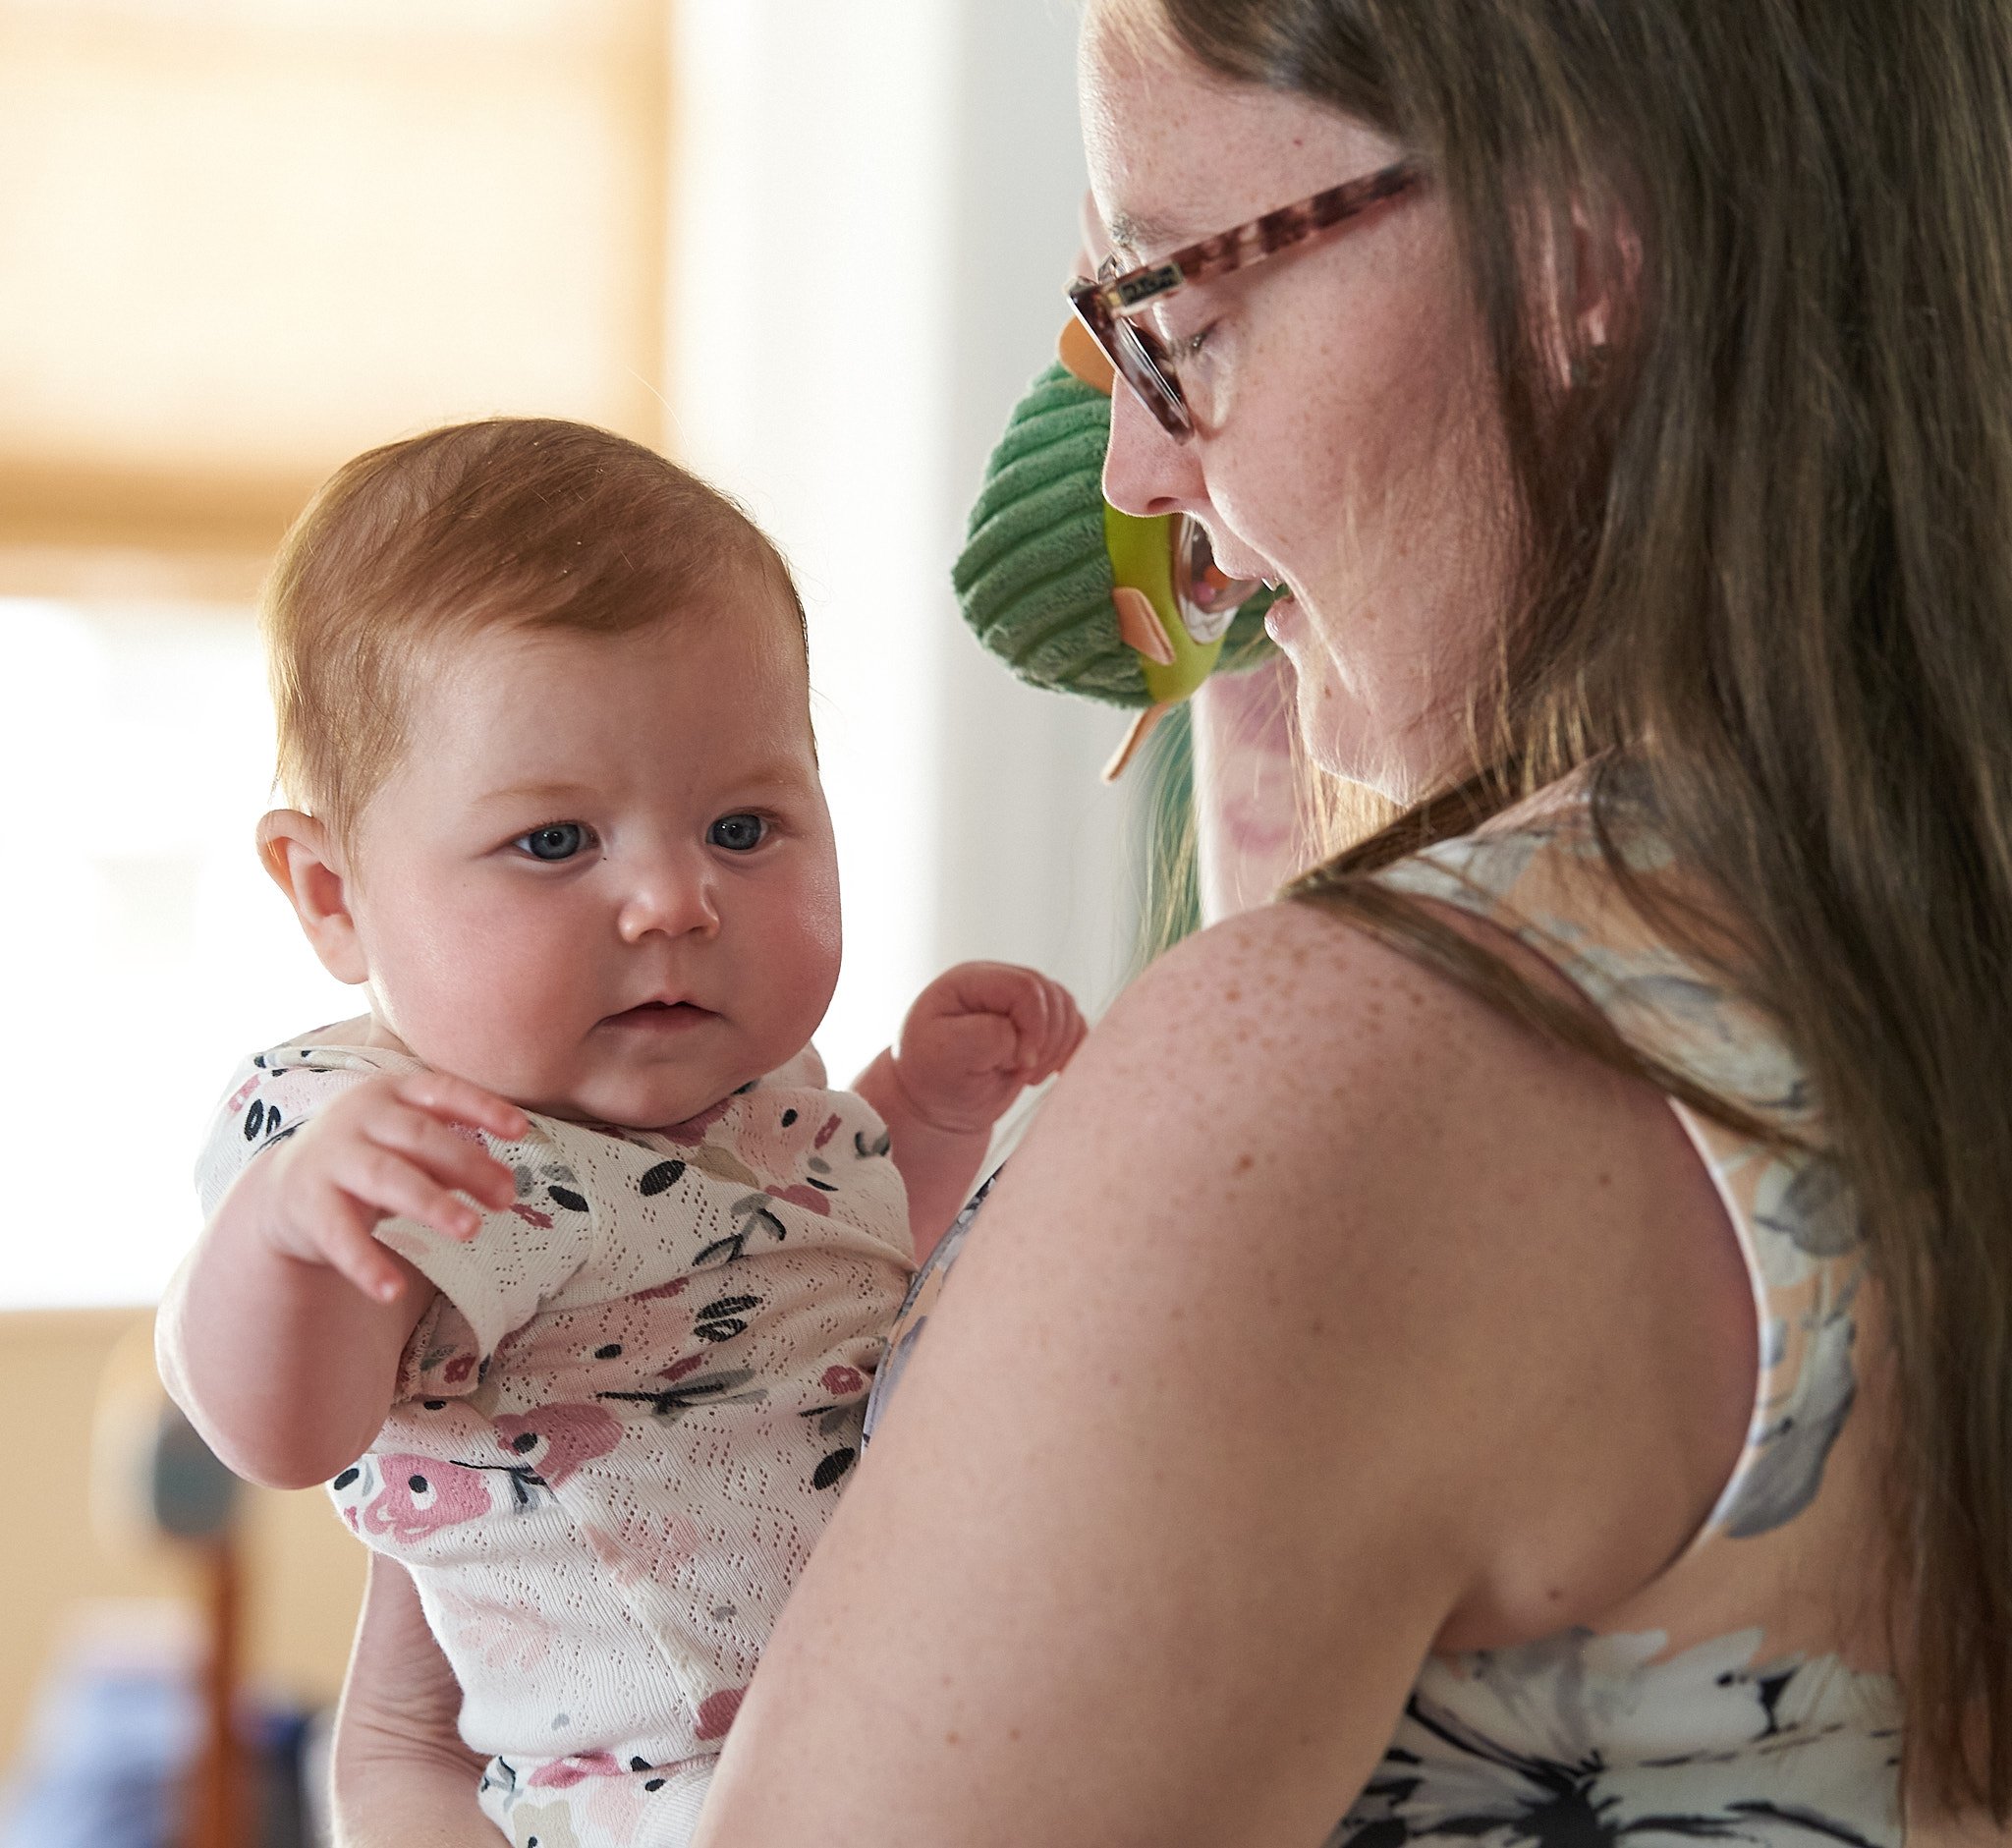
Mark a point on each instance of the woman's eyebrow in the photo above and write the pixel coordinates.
(1132, 233)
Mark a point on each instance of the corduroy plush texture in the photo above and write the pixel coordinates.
(1034, 578)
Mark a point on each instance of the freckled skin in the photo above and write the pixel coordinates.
(1346, 446)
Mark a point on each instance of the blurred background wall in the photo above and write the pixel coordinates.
(815, 251)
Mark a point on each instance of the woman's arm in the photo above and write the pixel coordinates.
(1324, 1316)
(400, 1776)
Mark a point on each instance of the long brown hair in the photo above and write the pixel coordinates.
(1767, 553)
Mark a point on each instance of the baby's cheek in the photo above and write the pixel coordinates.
(795, 982)
(522, 1015)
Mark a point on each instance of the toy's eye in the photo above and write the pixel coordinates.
(738, 833)
(557, 840)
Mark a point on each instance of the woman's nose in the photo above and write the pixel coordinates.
(1145, 471)
(670, 899)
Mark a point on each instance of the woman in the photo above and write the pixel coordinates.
(1355, 1420)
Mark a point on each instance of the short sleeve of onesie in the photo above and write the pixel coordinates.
(489, 1285)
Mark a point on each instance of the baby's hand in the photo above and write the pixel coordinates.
(388, 1148)
(980, 1035)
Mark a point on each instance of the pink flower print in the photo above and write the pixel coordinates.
(692, 1131)
(716, 1712)
(791, 1146)
(780, 1135)
(508, 1642)
(649, 1548)
(556, 1439)
(618, 1808)
(421, 1495)
(840, 1380)
(564, 1773)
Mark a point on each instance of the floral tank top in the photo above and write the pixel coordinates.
(1746, 1694)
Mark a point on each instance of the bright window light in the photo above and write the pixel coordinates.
(145, 950)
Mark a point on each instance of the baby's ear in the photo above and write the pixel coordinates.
(306, 862)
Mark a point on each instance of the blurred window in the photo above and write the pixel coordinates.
(145, 951)
(243, 239)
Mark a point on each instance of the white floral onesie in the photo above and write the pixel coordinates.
(622, 1423)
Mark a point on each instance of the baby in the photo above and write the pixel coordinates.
(562, 1261)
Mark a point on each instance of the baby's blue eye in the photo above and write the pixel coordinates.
(738, 833)
(560, 840)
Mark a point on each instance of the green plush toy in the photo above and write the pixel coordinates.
(1074, 595)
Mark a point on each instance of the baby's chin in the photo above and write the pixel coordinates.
(654, 1098)
(635, 1107)
(635, 1080)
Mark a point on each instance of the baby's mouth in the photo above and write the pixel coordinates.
(660, 1016)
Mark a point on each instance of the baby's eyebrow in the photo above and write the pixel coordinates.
(536, 792)
(780, 774)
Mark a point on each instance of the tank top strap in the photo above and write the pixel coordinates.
(1538, 873)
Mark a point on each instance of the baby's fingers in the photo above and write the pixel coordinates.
(1071, 1030)
(990, 1043)
(343, 1237)
(1062, 1032)
(454, 1100)
(381, 1177)
(448, 1155)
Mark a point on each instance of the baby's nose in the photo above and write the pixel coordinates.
(670, 900)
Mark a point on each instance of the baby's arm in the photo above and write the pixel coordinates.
(281, 1334)
(975, 1037)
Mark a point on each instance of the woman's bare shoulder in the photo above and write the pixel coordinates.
(1338, 1149)
(1313, 1326)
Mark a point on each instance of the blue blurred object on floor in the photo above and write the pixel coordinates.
(107, 1754)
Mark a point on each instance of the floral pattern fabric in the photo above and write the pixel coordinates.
(621, 1424)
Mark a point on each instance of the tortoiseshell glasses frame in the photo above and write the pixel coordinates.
(1108, 302)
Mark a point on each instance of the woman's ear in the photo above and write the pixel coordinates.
(1608, 270)
(306, 862)
(1591, 291)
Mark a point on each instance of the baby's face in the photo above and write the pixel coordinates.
(601, 881)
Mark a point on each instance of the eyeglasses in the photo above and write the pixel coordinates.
(1108, 302)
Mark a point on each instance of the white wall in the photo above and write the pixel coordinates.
(877, 210)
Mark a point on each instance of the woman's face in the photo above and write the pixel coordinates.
(1347, 440)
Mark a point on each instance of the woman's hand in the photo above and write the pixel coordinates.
(400, 1776)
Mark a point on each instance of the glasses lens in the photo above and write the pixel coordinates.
(1142, 362)
(1207, 597)
(1138, 359)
